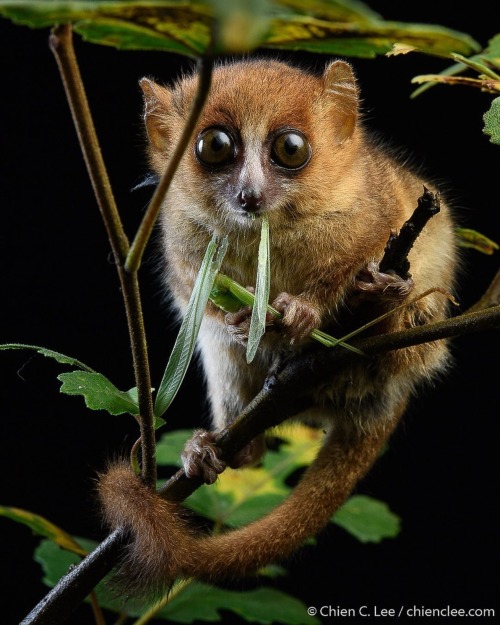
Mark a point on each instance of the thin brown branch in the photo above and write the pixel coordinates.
(284, 395)
(61, 44)
(291, 390)
(399, 245)
(133, 262)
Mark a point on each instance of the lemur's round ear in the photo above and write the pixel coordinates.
(342, 92)
(157, 102)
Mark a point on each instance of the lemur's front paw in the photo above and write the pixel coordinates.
(300, 317)
(386, 286)
(201, 457)
(238, 324)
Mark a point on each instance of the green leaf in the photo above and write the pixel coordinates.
(99, 392)
(41, 526)
(263, 605)
(263, 283)
(302, 444)
(475, 240)
(362, 38)
(367, 519)
(173, 26)
(191, 28)
(492, 53)
(492, 122)
(65, 360)
(186, 339)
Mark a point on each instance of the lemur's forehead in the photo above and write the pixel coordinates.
(258, 98)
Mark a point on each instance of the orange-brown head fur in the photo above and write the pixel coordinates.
(255, 100)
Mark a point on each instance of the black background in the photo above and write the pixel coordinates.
(59, 290)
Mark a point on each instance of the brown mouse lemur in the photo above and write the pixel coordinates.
(284, 142)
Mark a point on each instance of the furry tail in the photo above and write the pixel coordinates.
(164, 548)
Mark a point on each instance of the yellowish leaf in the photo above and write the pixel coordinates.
(41, 526)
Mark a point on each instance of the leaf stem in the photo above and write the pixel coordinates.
(61, 44)
(133, 261)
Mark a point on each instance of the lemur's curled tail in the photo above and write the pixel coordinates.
(164, 548)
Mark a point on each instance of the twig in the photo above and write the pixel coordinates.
(284, 395)
(290, 391)
(61, 44)
(399, 245)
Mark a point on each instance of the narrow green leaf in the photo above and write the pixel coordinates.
(492, 122)
(264, 605)
(262, 285)
(99, 392)
(65, 360)
(476, 240)
(186, 339)
(367, 519)
(41, 526)
(478, 64)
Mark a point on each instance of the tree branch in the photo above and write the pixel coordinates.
(399, 245)
(61, 44)
(284, 394)
(205, 66)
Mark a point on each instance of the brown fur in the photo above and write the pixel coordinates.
(329, 222)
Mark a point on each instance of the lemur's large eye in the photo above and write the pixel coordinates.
(215, 147)
(290, 149)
